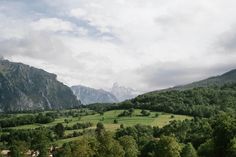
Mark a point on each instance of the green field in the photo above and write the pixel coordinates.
(108, 120)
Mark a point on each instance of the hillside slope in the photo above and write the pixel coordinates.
(226, 78)
(26, 88)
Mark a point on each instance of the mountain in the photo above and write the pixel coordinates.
(220, 80)
(23, 87)
(90, 95)
(123, 93)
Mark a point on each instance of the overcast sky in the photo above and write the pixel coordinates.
(143, 44)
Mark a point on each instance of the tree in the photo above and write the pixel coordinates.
(189, 151)
(168, 147)
(18, 148)
(206, 149)
(109, 147)
(100, 128)
(150, 149)
(59, 130)
(232, 148)
(41, 142)
(65, 151)
(129, 145)
(115, 121)
(224, 130)
(145, 113)
(84, 147)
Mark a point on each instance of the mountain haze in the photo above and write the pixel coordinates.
(27, 88)
(123, 93)
(89, 95)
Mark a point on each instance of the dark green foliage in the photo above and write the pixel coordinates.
(18, 148)
(41, 143)
(166, 146)
(100, 128)
(109, 147)
(129, 145)
(59, 130)
(140, 133)
(84, 147)
(195, 131)
(126, 113)
(189, 151)
(27, 119)
(79, 126)
(150, 149)
(145, 113)
(115, 121)
(224, 130)
(206, 149)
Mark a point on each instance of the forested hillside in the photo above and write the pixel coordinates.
(202, 101)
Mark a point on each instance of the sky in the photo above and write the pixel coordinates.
(142, 44)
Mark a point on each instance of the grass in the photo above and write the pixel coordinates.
(62, 141)
(108, 120)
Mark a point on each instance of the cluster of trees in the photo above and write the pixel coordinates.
(21, 141)
(127, 113)
(191, 138)
(199, 137)
(79, 126)
(99, 144)
(145, 113)
(213, 137)
(26, 119)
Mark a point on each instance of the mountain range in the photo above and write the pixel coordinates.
(89, 95)
(117, 93)
(23, 87)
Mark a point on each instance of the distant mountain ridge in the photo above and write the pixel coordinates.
(89, 95)
(117, 93)
(23, 87)
(226, 78)
(123, 93)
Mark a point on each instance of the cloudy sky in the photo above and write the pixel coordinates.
(143, 44)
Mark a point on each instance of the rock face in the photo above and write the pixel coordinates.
(123, 93)
(26, 88)
(90, 95)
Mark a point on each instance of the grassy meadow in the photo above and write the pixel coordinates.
(108, 120)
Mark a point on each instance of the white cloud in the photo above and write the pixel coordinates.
(52, 24)
(135, 42)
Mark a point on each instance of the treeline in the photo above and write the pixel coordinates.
(26, 119)
(200, 102)
(79, 126)
(214, 137)
(10, 120)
